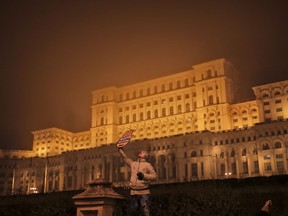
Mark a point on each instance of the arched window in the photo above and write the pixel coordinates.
(134, 117)
(171, 110)
(127, 119)
(244, 152)
(255, 150)
(148, 115)
(156, 113)
(277, 145)
(155, 90)
(187, 107)
(265, 146)
(134, 94)
(163, 112)
(186, 82)
(163, 88)
(210, 100)
(193, 154)
(141, 116)
(277, 93)
(148, 91)
(179, 109)
(232, 153)
(209, 74)
(222, 154)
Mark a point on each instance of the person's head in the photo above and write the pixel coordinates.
(143, 154)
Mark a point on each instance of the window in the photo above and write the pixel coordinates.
(232, 153)
(278, 109)
(277, 145)
(156, 114)
(245, 167)
(193, 154)
(267, 167)
(277, 101)
(148, 91)
(155, 89)
(186, 82)
(163, 112)
(179, 109)
(171, 110)
(280, 167)
(134, 117)
(210, 100)
(148, 115)
(187, 107)
(194, 170)
(256, 166)
(134, 94)
(266, 103)
(141, 116)
(234, 169)
(265, 146)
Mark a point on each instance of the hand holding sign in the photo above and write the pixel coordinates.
(124, 139)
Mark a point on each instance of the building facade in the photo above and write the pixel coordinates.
(190, 122)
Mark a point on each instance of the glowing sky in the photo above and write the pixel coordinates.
(54, 53)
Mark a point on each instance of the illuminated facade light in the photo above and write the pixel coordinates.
(189, 121)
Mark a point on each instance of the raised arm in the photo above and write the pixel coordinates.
(127, 160)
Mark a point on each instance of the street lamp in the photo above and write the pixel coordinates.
(227, 174)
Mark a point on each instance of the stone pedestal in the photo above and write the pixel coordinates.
(98, 200)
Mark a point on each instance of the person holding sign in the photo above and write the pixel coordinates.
(142, 173)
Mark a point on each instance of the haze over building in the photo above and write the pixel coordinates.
(190, 121)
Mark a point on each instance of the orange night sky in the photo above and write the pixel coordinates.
(54, 53)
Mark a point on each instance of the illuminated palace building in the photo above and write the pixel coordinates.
(190, 122)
